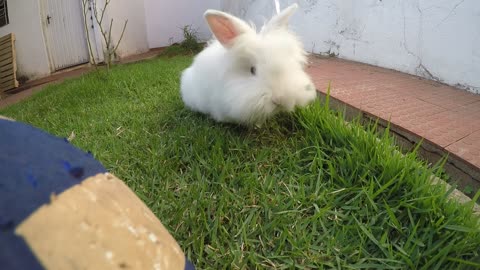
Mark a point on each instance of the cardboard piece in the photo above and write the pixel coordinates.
(99, 224)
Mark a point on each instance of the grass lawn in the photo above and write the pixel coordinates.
(305, 191)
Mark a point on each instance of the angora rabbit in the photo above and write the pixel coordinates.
(244, 77)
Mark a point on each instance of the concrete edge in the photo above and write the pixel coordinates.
(404, 138)
(457, 195)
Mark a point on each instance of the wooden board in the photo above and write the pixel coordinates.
(6, 68)
(6, 56)
(8, 63)
(7, 85)
(7, 79)
(99, 224)
(5, 47)
(4, 38)
(7, 74)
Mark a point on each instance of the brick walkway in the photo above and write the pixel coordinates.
(448, 118)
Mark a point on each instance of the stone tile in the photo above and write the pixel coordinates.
(447, 97)
(446, 127)
(471, 108)
(468, 148)
(444, 115)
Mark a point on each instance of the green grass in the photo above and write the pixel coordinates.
(305, 191)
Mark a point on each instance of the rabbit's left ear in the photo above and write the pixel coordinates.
(280, 20)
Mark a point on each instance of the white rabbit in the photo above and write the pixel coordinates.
(244, 77)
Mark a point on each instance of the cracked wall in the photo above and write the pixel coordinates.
(435, 39)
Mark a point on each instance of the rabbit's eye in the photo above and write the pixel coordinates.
(253, 70)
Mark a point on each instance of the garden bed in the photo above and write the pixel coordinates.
(306, 190)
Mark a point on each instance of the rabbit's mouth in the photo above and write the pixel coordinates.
(276, 106)
(281, 105)
(276, 102)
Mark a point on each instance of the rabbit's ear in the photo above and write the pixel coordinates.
(225, 27)
(280, 20)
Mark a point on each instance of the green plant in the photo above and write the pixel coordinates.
(189, 45)
(190, 40)
(86, 8)
(468, 190)
(109, 46)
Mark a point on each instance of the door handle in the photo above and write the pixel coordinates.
(48, 19)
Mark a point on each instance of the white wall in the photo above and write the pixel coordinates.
(94, 36)
(135, 38)
(32, 57)
(436, 39)
(31, 51)
(165, 18)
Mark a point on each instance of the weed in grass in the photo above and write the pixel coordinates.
(306, 191)
(189, 46)
(190, 41)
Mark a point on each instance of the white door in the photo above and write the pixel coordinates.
(65, 32)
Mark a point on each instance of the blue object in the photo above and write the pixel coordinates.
(31, 169)
(34, 165)
(189, 265)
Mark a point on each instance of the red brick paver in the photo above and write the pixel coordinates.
(445, 116)
(468, 147)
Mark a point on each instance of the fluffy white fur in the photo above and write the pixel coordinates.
(246, 77)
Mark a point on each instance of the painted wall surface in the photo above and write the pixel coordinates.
(25, 23)
(165, 19)
(134, 40)
(93, 35)
(435, 39)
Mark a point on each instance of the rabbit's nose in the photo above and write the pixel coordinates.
(310, 87)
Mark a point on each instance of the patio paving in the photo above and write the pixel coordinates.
(446, 117)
